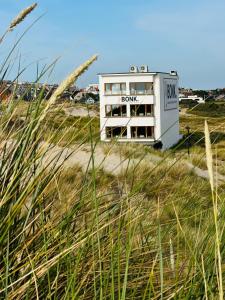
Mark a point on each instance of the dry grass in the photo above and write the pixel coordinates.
(155, 231)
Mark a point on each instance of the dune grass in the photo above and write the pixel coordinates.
(154, 231)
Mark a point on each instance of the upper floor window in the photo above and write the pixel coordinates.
(115, 88)
(138, 110)
(116, 110)
(141, 88)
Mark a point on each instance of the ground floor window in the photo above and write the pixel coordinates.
(139, 132)
(116, 132)
(140, 110)
(116, 110)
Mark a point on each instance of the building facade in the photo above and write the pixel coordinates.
(140, 107)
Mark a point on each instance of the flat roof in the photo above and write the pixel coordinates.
(136, 73)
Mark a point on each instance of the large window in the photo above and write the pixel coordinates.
(115, 88)
(139, 132)
(116, 110)
(140, 110)
(141, 88)
(116, 132)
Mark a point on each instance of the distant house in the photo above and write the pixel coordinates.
(78, 97)
(92, 88)
(182, 98)
(84, 97)
(220, 98)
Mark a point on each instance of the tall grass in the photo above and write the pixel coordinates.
(151, 232)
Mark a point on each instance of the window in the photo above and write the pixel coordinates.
(141, 88)
(116, 132)
(116, 110)
(139, 132)
(115, 88)
(145, 110)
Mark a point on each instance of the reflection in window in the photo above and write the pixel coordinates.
(116, 110)
(141, 132)
(116, 132)
(115, 88)
(141, 88)
(140, 110)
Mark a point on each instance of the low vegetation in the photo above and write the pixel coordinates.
(209, 109)
(155, 230)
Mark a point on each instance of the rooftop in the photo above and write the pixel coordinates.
(134, 73)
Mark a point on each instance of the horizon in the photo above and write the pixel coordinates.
(123, 34)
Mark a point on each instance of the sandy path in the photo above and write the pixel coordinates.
(113, 163)
(80, 112)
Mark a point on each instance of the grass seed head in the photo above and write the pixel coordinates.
(22, 15)
(71, 79)
(209, 156)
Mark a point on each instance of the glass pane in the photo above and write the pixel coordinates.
(140, 88)
(133, 110)
(116, 89)
(116, 110)
(124, 132)
(149, 88)
(140, 110)
(116, 132)
(108, 110)
(108, 88)
(124, 110)
(123, 88)
(149, 132)
(132, 89)
(108, 132)
(141, 132)
(133, 132)
(149, 110)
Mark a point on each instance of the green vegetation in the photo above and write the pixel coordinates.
(209, 109)
(154, 230)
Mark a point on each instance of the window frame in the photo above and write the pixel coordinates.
(121, 111)
(145, 110)
(135, 128)
(121, 93)
(111, 128)
(151, 91)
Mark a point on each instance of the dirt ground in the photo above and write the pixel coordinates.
(80, 112)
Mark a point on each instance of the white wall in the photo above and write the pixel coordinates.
(169, 118)
(165, 122)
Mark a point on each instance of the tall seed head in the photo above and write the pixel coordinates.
(209, 156)
(67, 83)
(71, 79)
(22, 15)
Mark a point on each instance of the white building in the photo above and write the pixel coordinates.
(193, 97)
(93, 88)
(140, 107)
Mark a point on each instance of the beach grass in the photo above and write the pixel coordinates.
(153, 230)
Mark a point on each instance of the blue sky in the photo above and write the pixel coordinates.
(188, 36)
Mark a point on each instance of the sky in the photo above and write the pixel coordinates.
(187, 36)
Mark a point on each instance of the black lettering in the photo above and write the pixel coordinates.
(171, 91)
(128, 99)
